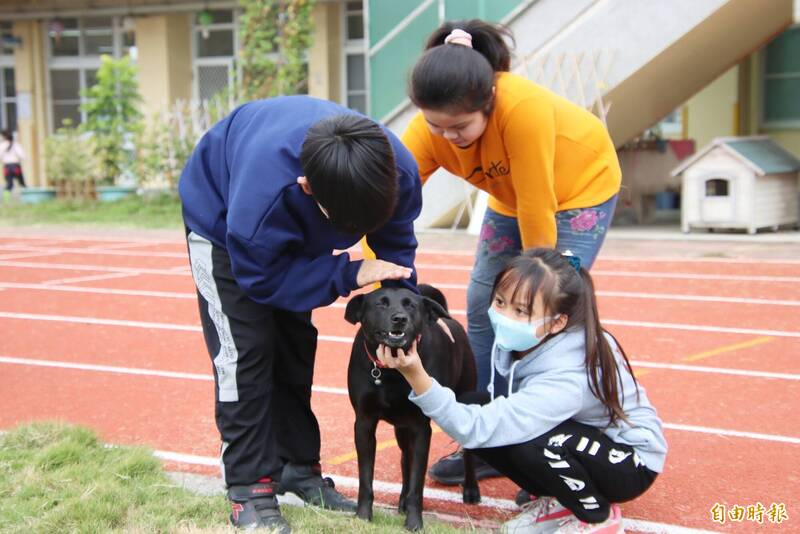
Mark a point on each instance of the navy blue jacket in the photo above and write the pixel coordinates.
(239, 190)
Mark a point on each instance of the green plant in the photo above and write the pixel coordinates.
(70, 155)
(112, 115)
(279, 29)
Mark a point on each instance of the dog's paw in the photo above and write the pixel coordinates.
(471, 495)
(413, 522)
(364, 512)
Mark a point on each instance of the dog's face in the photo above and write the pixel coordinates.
(392, 316)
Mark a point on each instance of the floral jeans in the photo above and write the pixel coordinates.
(581, 231)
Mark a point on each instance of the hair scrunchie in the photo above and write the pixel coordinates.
(459, 37)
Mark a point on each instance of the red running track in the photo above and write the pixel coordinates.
(728, 392)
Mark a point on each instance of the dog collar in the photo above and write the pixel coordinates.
(375, 361)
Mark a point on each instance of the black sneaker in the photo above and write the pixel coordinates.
(449, 470)
(523, 497)
(306, 482)
(256, 506)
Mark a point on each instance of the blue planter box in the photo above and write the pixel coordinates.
(110, 193)
(35, 195)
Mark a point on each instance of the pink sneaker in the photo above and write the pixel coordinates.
(573, 525)
(538, 516)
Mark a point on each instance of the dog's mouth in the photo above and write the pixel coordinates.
(392, 338)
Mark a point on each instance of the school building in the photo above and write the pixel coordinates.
(696, 69)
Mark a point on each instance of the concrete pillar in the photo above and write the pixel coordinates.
(32, 111)
(325, 55)
(164, 60)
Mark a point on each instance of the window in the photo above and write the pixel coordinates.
(75, 47)
(215, 42)
(672, 124)
(717, 187)
(781, 106)
(8, 90)
(355, 66)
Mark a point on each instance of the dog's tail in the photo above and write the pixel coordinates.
(431, 292)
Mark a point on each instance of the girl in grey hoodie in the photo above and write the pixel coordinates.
(575, 428)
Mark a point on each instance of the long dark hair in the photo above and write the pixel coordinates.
(8, 135)
(569, 291)
(456, 78)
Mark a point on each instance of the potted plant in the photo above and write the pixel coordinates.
(70, 165)
(113, 118)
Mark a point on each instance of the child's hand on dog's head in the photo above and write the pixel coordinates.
(372, 271)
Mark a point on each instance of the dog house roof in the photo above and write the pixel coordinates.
(760, 153)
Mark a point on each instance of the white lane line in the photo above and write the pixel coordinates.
(50, 286)
(715, 370)
(107, 247)
(450, 268)
(22, 255)
(98, 251)
(324, 389)
(702, 328)
(344, 339)
(343, 391)
(733, 433)
(678, 259)
(92, 278)
(60, 238)
(644, 274)
(103, 290)
(393, 489)
(134, 371)
(96, 268)
(697, 276)
(697, 298)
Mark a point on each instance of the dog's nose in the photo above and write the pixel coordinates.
(399, 319)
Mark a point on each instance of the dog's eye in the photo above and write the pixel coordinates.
(384, 302)
(407, 303)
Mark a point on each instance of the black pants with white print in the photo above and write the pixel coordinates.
(263, 361)
(575, 463)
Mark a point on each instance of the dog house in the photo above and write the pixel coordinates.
(739, 183)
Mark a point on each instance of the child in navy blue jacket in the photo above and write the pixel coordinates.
(268, 194)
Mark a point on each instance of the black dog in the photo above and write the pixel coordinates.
(395, 318)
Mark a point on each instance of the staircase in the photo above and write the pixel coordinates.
(631, 61)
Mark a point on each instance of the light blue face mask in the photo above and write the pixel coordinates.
(515, 335)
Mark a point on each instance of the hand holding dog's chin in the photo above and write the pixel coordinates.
(409, 365)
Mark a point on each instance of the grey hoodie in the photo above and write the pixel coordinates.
(547, 387)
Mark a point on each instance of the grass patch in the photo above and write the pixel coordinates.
(159, 211)
(56, 478)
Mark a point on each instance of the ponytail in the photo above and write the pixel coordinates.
(605, 378)
(458, 78)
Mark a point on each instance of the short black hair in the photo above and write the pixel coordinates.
(349, 164)
(458, 79)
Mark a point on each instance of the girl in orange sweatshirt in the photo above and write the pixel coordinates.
(549, 165)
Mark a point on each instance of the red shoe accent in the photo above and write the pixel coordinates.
(265, 480)
(235, 509)
(555, 515)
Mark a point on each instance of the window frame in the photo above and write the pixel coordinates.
(82, 62)
(779, 124)
(7, 62)
(354, 47)
(234, 67)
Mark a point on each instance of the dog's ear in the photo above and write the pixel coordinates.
(434, 310)
(353, 312)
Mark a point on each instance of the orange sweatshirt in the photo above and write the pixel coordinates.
(539, 154)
